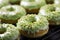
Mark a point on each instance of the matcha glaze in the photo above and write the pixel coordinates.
(32, 23)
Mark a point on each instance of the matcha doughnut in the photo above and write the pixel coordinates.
(51, 13)
(4, 3)
(11, 13)
(14, 1)
(8, 32)
(33, 26)
(32, 6)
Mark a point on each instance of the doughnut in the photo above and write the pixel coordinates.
(8, 32)
(32, 6)
(33, 26)
(4, 3)
(51, 12)
(11, 13)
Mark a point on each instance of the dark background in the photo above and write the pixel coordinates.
(53, 34)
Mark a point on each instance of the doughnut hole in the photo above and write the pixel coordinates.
(11, 9)
(32, 19)
(52, 9)
(2, 29)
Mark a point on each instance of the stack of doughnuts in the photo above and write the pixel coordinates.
(30, 18)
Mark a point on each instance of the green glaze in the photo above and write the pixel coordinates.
(56, 16)
(4, 3)
(32, 4)
(32, 23)
(12, 12)
(50, 12)
(47, 11)
(11, 32)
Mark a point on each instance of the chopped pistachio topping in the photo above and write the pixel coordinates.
(51, 12)
(32, 23)
(11, 32)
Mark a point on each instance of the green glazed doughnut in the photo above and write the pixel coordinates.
(51, 13)
(32, 6)
(11, 13)
(10, 32)
(4, 3)
(14, 1)
(33, 25)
